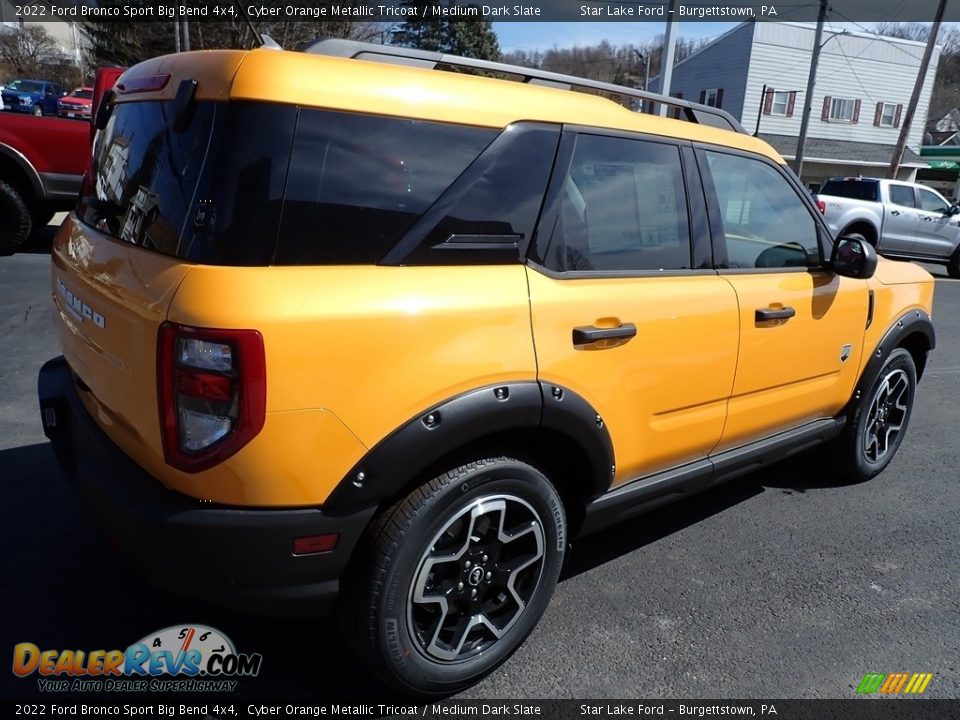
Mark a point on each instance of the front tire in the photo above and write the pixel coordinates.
(876, 428)
(15, 220)
(37, 111)
(452, 579)
(953, 264)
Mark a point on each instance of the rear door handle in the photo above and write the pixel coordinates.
(775, 314)
(591, 334)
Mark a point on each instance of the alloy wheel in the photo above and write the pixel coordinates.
(476, 578)
(886, 415)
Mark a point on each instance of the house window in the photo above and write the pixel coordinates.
(781, 101)
(887, 115)
(713, 98)
(841, 109)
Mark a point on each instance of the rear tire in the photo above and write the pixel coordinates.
(452, 579)
(875, 429)
(37, 110)
(15, 221)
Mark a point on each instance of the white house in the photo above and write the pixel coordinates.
(70, 37)
(758, 72)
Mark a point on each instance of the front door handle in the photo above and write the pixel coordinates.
(894, 212)
(784, 313)
(592, 334)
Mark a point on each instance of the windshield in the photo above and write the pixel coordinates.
(854, 189)
(83, 93)
(29, 86)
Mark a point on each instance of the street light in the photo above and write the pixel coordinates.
(646, 68)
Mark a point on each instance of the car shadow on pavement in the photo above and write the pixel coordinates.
(65, 587)
(40, 241)
(802, 472)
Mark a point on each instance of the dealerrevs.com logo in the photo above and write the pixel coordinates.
(187, 658)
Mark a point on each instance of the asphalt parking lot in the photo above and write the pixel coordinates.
(782, 584)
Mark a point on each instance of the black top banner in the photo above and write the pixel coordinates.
(861, 11)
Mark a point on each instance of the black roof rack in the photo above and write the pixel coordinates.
(692, 112)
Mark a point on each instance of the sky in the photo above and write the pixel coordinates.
(545, 35)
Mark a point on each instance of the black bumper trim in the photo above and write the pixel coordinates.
(237, 556)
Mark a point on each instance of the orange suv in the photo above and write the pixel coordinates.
(338, 323)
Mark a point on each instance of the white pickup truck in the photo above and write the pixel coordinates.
(903, 220)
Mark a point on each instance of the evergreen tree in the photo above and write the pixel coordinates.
(429, 31)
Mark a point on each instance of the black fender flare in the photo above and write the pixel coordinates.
(915, 321)
(391, 464)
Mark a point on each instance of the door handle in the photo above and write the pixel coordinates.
(894, 212)
(775, 314)
(591, 334)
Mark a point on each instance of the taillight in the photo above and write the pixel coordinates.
(212, 388)
(821, 206)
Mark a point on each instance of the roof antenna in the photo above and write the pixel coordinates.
(262, 39)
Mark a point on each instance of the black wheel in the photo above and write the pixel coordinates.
(451, 580)
(874, 432)
(37, 110)
(953, 265)
(15, 222)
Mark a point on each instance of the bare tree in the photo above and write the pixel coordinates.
(29, 50)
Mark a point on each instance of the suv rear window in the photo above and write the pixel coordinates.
(245, 183)
(868, 190)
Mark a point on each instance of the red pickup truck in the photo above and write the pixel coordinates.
(42, 162)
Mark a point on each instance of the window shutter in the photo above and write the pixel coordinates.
(896, 117)
(703, 96)
(825, 115)
(878, 115)
(768, 101)
(720, 97)
(791, 101)
(856, 112)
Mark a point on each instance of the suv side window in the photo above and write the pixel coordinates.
(902, 195)
(765, 223)
(623, 207)
(931, 202)
(357, 183)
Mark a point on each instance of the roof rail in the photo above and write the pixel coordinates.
(692, 112)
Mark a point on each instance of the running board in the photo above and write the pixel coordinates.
(649, 492)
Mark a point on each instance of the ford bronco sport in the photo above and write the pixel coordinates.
(340, 323)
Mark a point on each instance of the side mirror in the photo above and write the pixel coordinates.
(853, 257)
(953, 210)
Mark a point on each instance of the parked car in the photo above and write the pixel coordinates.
(37, 97)
(78, 104)
(42, 163)
(458, 321)
(902, 220)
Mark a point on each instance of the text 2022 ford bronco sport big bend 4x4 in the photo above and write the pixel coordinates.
(337, 326)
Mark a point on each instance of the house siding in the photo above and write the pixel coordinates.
(723, 64)
(871, 70)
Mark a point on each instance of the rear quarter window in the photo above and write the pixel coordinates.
(853, 189)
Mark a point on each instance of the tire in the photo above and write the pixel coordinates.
(953, 264)
(15, 221)
(447, 535)
(877, 425)
(37, 110)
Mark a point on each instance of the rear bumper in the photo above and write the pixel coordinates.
(236, 556)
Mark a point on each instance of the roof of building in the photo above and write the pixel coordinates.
(840, 151)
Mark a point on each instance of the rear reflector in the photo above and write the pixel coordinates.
(821, 206)
(313, 544)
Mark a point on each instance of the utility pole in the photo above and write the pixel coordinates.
(186, 36)
(670, 46)
(811, 84)
(763, 101)
(915, 98)
(176, 31)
